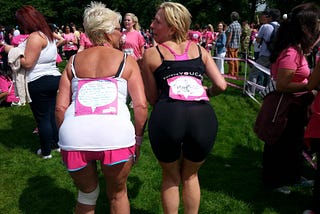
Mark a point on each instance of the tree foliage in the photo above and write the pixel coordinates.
(286, 5)
(203, 11)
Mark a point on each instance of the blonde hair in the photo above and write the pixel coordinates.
(135, 20)
(178, 17)
(98, 20)
(210, 27)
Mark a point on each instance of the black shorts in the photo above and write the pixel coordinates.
(182, 126)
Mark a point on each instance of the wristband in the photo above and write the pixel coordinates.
(139, 140)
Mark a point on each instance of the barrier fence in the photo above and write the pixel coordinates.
(245, 80)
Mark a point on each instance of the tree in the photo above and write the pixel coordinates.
(203, 11)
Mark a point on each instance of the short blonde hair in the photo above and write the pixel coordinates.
(98, 20)
(135, 20)
(178, 17)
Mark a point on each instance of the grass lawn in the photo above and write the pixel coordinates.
(230, 178)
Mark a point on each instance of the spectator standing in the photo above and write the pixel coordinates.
(195, 35)
(182, 125)
(208, 37)
(245, 38)
(76, 33)
(93, 119)
(254, 33)
(282, 160)
(59, 40)
(148, 38)
(70, 42)
(233, 33)
(56, 34)
(221, 46)
(269, 19)
(6, 39)
(39, 59)
(132, 41)
(256, 48)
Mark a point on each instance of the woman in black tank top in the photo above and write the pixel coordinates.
(182, 125)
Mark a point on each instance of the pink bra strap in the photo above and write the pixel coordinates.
(174, 53)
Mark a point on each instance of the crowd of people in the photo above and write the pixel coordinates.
(112, 59)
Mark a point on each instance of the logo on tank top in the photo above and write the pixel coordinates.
(97, 96)
(186, 88)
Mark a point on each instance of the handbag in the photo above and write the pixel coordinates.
(272, 117)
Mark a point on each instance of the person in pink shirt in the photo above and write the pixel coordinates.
(70, 42)
(16, 40)
(84, 42)
(195, 35)
(7, 95)
(282, 161)
(208, 38)
(132, 41)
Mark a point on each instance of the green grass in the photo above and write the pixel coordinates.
(230, 178)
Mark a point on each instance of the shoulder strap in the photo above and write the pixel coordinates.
(200, 53)
(121, 66)
(171, 51)
(273, 25)
(72, 66)
(162, 58)
(187, 47)
(174, 53)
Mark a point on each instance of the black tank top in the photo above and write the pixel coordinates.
(171, 68)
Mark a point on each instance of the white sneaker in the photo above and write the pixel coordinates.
(18, 104)
(43, 156)
(57, 150)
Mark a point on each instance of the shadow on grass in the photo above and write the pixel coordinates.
(19, 135)
(43, 196)
(240, 177)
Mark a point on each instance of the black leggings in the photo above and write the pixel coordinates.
(182, 126)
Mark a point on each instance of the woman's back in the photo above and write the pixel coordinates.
(98, 62)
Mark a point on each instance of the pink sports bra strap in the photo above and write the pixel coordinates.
(182, 56)
(187, 47)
